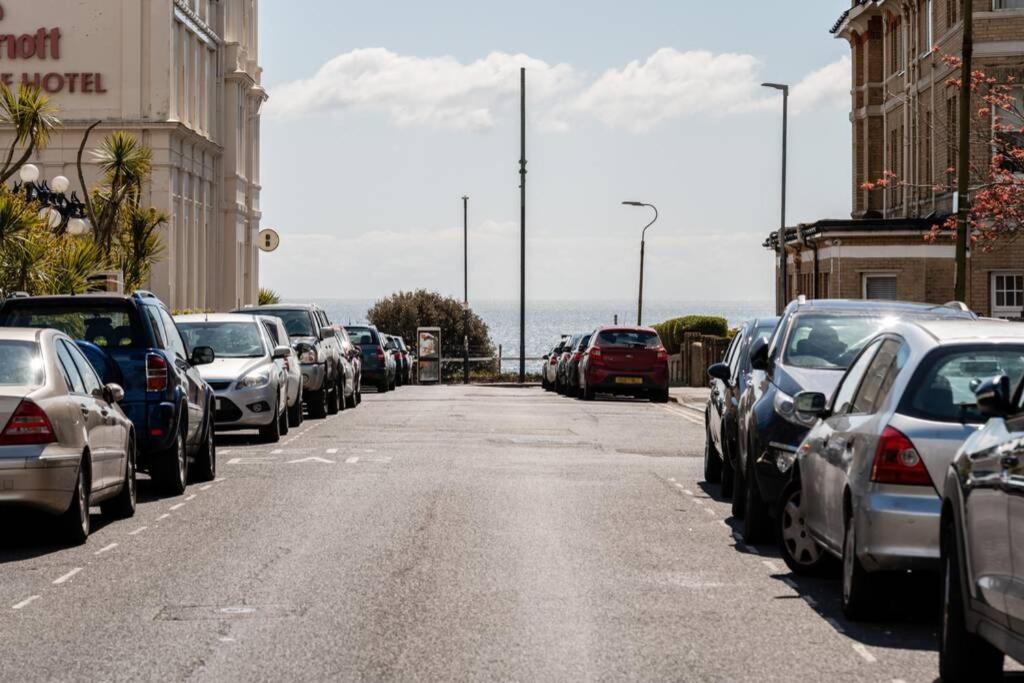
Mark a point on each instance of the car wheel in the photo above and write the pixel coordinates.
(739, 493)
(74, 523)
(755, 512)
(728, 479)
(316, 401)
(272, 432)
(801, 553)
(660, 395)
(332, 400)
(206, 461)
(712, 460)
(295, 413)
(123, 505)
(588, 392)
(342, 400)
(172, 467)
(963, 656)
(858, 595)
(394, 384)
(283, 419)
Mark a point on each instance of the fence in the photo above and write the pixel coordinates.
(697, 351)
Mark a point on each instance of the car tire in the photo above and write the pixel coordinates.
(739, 493)
(963, 656)
(206, 461)
(660, 395)
(859, 587)
(800, 551)
(394, 385)
(712, 460)
(588, 392)
(74, 522)
(316, 403)
(171, 467)
(283, 419)
(382, 387)
(755, 512)
(332, 400)
(295, 413)
(123, 505)
(272, 432)
(728, 479)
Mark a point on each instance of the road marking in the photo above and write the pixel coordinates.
(206, 487)
(176, 507)
(709, 511)
(219, 480)
(772, 567)
(67, 576)
(277, 451)
(26, 602)
(225, 451)
(332, 451)
(688, 492)
(671, 478)
(163, 516)
(105, 549)
(192, 497)
(863, 652)
(698, 501)
(226, 639)
(246, 461)
(352, 461)
(312, 458)
(138, 531)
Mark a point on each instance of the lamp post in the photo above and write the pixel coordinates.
(465, 289)
(61, 213)
(783, 265)
(643, 240)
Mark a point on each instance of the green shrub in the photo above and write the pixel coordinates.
(672, 331)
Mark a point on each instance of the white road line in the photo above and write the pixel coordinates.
(218, 480)
(67, 576)
(105, 548)
(277, 451)
(26, 602)
(863, 652)
(898, 680)
(688, 492)
(332, 451)
(206, 487)
(138, 531)
(352, 461)
(772, 567)
(163, 516)
(192, 497)
(176, 507)
(225, 451)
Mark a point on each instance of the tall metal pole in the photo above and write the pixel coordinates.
(640, 299)
(784, 267)
(963, 173)
(465, 289)
(522, 225)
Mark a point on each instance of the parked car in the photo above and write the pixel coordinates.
(65, 444)
(868, 483)
(355, 358)
(628, 361)
(378, 365)
(250, 383)
(133, 342)
(572, 366)
(314, 339)
(981, 531)
(392, 346)
(550, 369)
(810, 350)
(406, 372)
(721, 417)
(279, 337)
(561, 385)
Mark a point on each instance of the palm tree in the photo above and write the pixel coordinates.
(268, 297)
(126, 164)
(33, 117)
(138, 246)
(75, 260)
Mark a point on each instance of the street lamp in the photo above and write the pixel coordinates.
(465, 289)
(61, 213)
(783, 265)
(643, 239)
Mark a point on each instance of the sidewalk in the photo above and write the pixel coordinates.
(693, 398)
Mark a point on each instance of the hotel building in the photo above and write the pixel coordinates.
(183, 76)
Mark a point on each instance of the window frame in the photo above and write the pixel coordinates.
(871, 348)
(1019, 310)
(892, 371)
(73, 389)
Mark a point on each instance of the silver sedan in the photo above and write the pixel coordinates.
(869, 477)
(65, 444)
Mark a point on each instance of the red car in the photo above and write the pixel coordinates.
(628, 361)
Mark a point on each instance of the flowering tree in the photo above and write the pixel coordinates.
(997, 178)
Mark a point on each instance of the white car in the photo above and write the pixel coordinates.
(292, 367)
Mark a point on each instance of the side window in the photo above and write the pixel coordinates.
(89, 377)
(272, 331)
(851, 381)
(158, 328)
(174, 341)
(879, 378)
(732, 357)
(70, 371)
(776, 340)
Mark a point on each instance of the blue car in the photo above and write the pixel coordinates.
(133, 341)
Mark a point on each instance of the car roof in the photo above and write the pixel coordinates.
(278, 307)
(624, 328)
(29, 334)
(986, 329)
(215, 318)
(855, 306)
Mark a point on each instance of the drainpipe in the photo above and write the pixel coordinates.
(814, 248)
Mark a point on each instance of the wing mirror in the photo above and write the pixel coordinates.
(759, 354)
(811, 403)
(281, 352)
(202, 355)
(113, 393)
(720, 371)
(994, 397)
(327, 333)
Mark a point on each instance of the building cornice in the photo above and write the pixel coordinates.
(188, 16)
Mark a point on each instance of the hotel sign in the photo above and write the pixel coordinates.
(27, 59)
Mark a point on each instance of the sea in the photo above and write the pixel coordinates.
(547, 321)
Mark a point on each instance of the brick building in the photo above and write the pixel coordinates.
(904, 120)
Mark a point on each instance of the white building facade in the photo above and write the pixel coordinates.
(183, 76)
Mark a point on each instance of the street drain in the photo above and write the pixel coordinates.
(207, 612)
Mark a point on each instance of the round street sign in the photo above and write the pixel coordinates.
(269, 240)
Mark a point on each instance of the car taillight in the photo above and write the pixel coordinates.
(28, 425)
(662, 354)
(577, 355)
(156, 373)
(554, 360)
(380, 355)
(596, 356)
(898, 462)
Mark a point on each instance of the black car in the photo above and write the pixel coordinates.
(810, 350)
(133, 341)
(721, 417)
(379, 368)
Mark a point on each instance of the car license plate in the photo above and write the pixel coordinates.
(629, 380)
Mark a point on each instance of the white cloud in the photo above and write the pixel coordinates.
(434, 91)
(829, 86)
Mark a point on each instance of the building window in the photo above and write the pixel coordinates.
(952, 12)
(1008, 4)
(1008, 127)
(896, 54)
(1007, 295)
(880, 286)
(927, 27)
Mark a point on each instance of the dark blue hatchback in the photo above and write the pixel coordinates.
(133, 341)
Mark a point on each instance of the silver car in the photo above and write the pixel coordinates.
(65, 444)
(870, 474)
(248, 380)
(292, 367)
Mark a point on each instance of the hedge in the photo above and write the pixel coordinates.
(672, 331)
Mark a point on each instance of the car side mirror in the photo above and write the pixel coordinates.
(113, 393)
(281, 352)
(759, 354)
(327, 332)
(994, 397)
(202, 355)
(811, 403)
(720, 371)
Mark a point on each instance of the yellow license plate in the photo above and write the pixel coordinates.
(629, 380)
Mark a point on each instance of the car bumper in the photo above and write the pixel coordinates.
(246, 408)
(314, 376)
(898, 529)
(623, 382)
(375, 375)
(44, 480)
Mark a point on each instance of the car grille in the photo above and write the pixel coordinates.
(228, 412)
(219, 386)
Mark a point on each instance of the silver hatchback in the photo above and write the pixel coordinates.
(867, 485)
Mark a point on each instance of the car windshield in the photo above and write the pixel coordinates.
(106, 326)
(20, 364)
(943, 389)
(826, 342)
(228, 340)
(296, 321)
(632, 339)
(363, 336)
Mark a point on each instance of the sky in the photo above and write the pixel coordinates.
(382, 116)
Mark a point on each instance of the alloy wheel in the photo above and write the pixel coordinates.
(799, 544)
(83, 501)
(849, 545)
(182, 460)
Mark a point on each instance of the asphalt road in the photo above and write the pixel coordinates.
(444, 533)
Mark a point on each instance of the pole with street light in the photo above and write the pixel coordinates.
(465, 289)
(643, 240)
(783, 265)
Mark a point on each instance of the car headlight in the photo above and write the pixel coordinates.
(786, 409)
(255, 379)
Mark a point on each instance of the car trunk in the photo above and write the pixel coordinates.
(936, 442)
(629, 359)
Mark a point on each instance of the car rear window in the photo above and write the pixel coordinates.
(363, 336)
(829, 342)
(296, 321)
(943, 387)
(20, 364)
(632, 339)
(108, 326)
